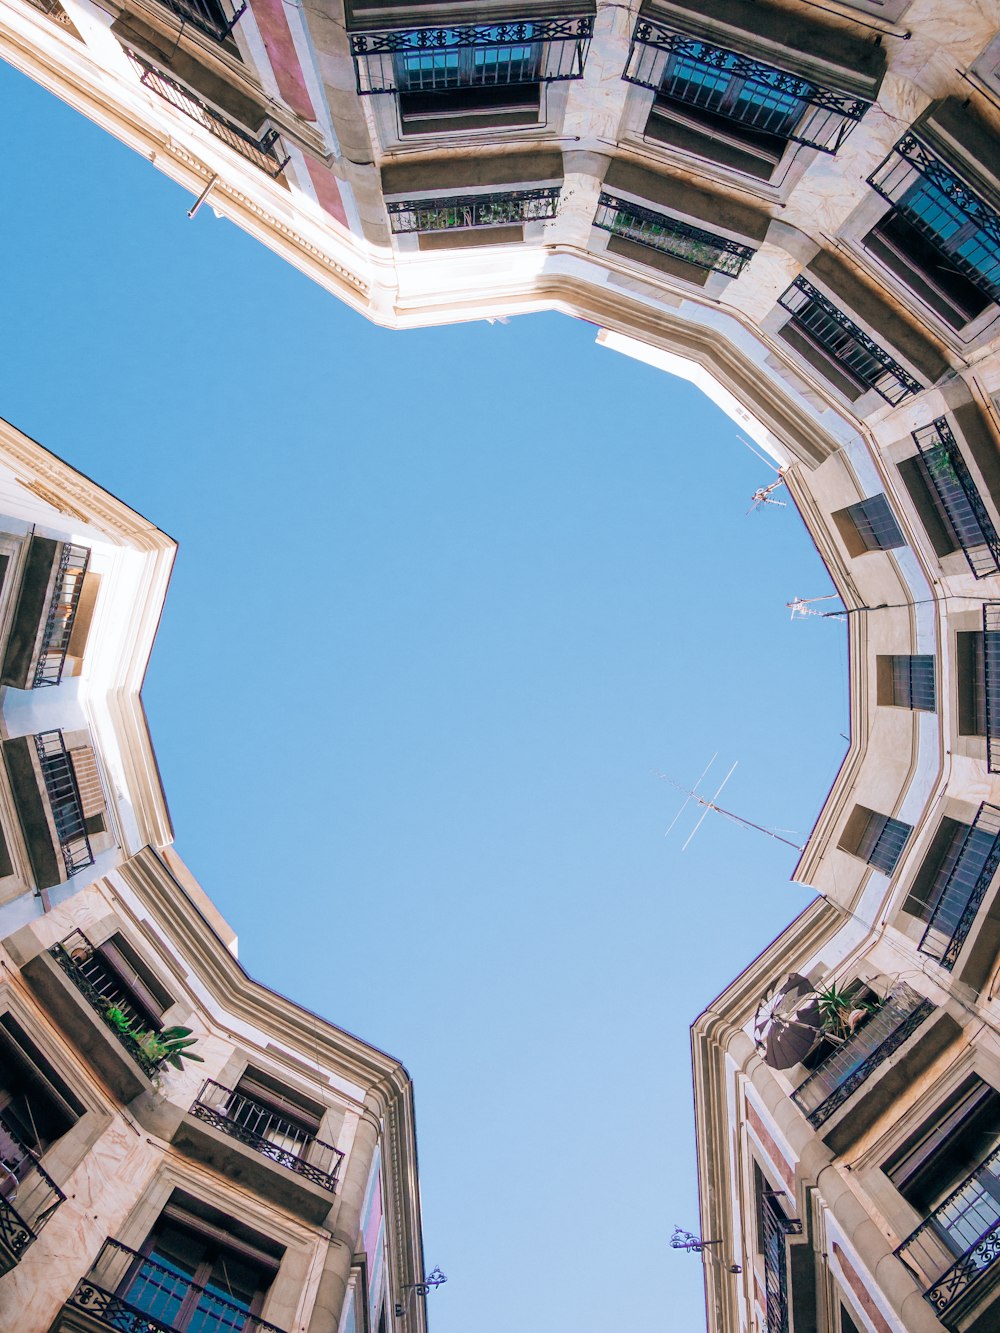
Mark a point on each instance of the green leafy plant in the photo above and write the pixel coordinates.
(170, 1046)
(841, 1013)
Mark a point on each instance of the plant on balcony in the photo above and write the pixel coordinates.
(170, 1046)
(841, 1014)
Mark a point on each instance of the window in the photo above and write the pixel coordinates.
(464, 77)
(952, 882)
(875, 838)
(948, 499)
(36, 1106)
(731, 97)
(875, 524)
(949, 1171)
(978, 670)
(907, 681)
(846, 355)
(657, 231)
(200, 1272)
(940, 237)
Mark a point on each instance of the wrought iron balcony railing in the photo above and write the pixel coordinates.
(473, 210)
(991, 683)
(845, 1069)
(711, 78)
(671, 236)
(264, 152)
(132, 1293)
(208, 15)
(946, 211)
(28, 1195)
(106, 995)
(440, 60)
(776, 1227)
(965, 886)
(73, 562)
(857, 355)
(959, 1242)
(958, 497)
(64, 800)
(272, 1135)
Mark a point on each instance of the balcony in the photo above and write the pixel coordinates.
(206, 15)
(717, 82)
(249, 1141)
(473, 210)
(64, 801)
(848, 347)
(991, 683)
(670, 236)
(776, 1227)
(844, 1071)
(941, 237)
(263, 152)
(131, 1293)
(28, 1196)
(52, 580)
(965, 885)
(483, 56)
(958, 497)
(953, 1252)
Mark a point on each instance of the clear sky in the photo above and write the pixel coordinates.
(448, 604)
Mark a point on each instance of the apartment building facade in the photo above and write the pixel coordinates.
(796, 206)
(180, 1147)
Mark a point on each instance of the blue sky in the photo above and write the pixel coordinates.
(448, 604)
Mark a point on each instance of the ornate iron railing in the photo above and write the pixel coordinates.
(208, 15)
(857, 355)
(766, 99)
(26, 1183)
(943, 208)
(473, 210)
(64, 800)
(960, 1240)
(959, 497)
(264, 152)
(671, 236)
(428, 60)
(144, 1288)
(991, 683)
(851, 1064)
(273, 1136)
(104, 992)
(73, 562)
(776, 1227)
(964, 889)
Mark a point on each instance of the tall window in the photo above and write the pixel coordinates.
(875, 524)
(875, 838)
(452, 66)
(907, 681)
(196, 1276)
(724, 83)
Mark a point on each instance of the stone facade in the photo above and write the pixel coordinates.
(271, 1183)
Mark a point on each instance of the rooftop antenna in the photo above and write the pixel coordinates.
(801, 607)
(764, 494)
(692, 795)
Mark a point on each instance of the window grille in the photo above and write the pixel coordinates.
(882, 842)
(875, 524)
(473, 210)
(961, 884)
(829, 329)
(671, 236)
(913, 681)
(957, 497)
(763, 98)
(436, 60)
(960, 225)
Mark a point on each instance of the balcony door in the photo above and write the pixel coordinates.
(196, 1278)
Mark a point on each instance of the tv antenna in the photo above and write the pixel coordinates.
(802, 607)
(692, 794)
(764, 495)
